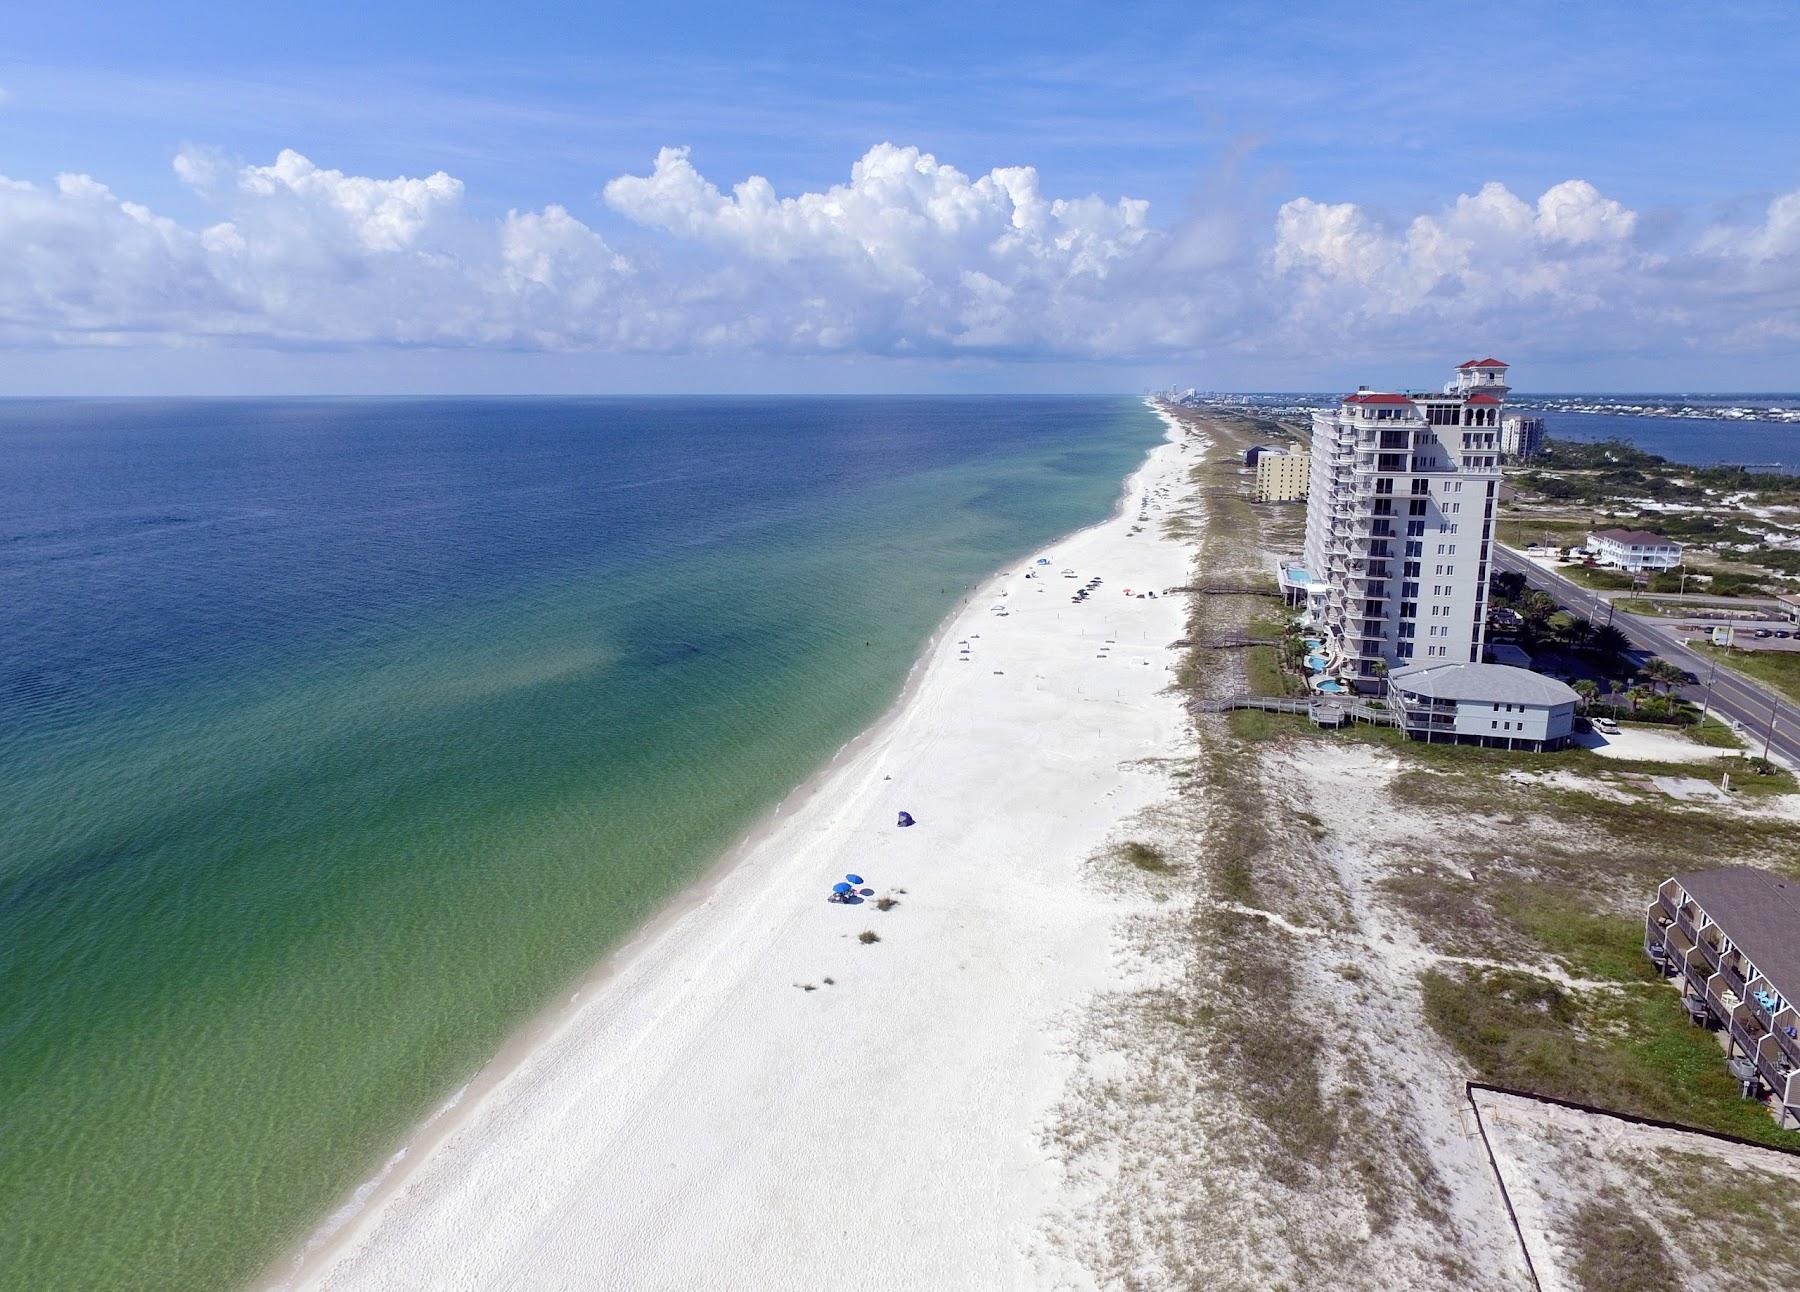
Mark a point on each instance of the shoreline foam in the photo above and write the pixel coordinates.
(417, 1188)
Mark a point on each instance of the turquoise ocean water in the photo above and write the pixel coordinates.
(337, 738)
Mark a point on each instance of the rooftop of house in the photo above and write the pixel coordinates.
(1482, 683)
(1760, 912)
(1489, 362)
(1634, 537)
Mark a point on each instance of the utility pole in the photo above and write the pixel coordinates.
(1711, 677)
(1769, 736)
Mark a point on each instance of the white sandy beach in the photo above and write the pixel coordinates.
(697, 1119)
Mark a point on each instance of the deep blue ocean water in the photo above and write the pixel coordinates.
(336, 737)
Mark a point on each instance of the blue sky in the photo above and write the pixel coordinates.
(1332, 193)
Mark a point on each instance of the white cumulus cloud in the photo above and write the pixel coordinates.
(909, 250)
(906, 256)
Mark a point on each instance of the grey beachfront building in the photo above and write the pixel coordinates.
(1482, 704)
(1730, 938)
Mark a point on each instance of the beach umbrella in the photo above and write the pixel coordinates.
(840, 888)
(906, 818)
(854, 879)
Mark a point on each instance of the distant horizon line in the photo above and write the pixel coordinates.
(19, 397)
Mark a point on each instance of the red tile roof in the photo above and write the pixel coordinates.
(1370, 397)
(1484, 398)
(1489, 362)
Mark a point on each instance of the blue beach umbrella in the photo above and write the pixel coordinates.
(854, 879)
(840, 888)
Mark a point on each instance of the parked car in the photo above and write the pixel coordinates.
(1606, 726)
(1764, 632)
(1782, 634)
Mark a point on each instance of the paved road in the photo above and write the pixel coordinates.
(1747, 703)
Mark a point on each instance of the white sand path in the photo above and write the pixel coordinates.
(698, 1120)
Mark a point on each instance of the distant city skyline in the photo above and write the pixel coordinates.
(1066, 197)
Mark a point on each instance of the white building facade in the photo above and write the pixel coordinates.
(1634, 549)
(1400, 523)
(1521, 437)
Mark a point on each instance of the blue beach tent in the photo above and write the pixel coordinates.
(906, 819)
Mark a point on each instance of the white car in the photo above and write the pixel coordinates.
(1606, 726)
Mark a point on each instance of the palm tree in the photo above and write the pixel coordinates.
(1535, 608)
(1574, 633)
(1588, 690)
(1659, 672)
(1609, 642)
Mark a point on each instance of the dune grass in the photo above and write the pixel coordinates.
(1777, 669)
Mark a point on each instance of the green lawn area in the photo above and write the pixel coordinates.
(1652, 608)
(1523, 531)
(1632, 1050)
(1655, 607)
(1592, 946)
(1254, 724)
(1596, 577)
(1777, 669)
(1713, 734)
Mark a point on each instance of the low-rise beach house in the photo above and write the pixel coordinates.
(1400, 523)
(1634, 549)
(1483, 704)
(1731, 940)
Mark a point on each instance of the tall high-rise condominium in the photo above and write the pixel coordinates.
(1400, 522)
